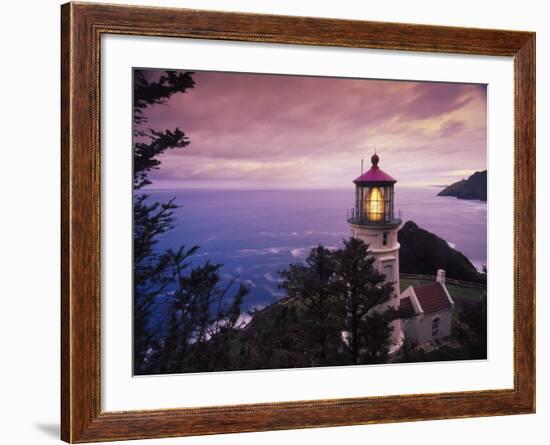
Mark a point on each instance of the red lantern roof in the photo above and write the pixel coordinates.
(375, 174)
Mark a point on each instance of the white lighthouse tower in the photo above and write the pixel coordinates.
(373, 221)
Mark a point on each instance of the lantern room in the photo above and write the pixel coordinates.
(374, 198)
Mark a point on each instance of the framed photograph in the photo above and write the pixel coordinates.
(275, 222)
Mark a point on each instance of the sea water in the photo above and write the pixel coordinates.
(257, 233)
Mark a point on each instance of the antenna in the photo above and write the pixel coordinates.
(361, 166)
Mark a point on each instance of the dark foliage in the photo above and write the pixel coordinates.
(150, 277)
(201, 314)
(470, 327)
(147, 93)
(363, 289)
(276, 337)
(315, 285)
(149, 143)
(329, 317)
(204, 318)
(145, 153)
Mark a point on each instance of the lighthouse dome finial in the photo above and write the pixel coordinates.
(375, 159)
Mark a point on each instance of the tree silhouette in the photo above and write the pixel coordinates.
(203, 319)
(313, 284)
(149, 143)
(151, 219)
(194, 307)
(470, 326)
(363, 292)
(340, 299)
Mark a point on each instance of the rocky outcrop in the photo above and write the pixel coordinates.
(475, 187)
(423, 253)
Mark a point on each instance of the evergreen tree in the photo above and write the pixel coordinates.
(196, 312)
(203, 319)
(276, 338)
(151, 219)
(470, 327)
(363, 292)
(313, 285)
(339, 297)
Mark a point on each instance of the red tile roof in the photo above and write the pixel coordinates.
(406, 309)
(432, 297)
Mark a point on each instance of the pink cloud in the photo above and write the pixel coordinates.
(312, 131)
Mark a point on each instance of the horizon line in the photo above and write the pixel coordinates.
(221, 188)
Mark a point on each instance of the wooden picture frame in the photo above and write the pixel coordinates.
(82, 26)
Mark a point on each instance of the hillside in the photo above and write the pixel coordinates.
(424, 253)
(475, 187)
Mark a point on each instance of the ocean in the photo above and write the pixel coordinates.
(257, 233)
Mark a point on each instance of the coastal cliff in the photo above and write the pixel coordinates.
(475, 187)
(423, 253)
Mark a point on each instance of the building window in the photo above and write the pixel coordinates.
(388, 271)
(385, 239)
(435, 327)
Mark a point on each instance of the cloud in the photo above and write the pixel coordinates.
(451, 127)
(295, 130)
(198, 168)
(432, 99)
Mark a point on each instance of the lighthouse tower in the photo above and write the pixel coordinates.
(373, 221)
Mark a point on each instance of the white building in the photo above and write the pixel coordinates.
(426, 311)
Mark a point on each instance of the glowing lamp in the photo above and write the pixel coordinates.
(373, 197)
(374, 205)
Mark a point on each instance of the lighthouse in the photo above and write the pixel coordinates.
(425, 311)
(373, 221)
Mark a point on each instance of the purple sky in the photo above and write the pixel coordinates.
(269, 131)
